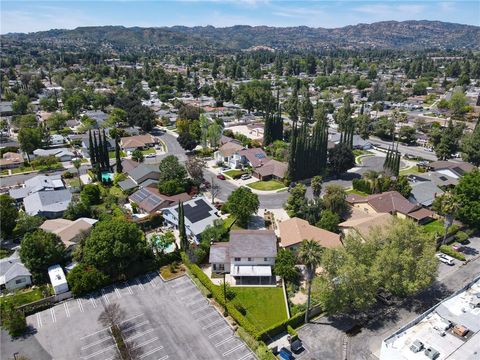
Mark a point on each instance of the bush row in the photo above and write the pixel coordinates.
(217, 294)
(294, 322)
(362, 185)
(449, 251)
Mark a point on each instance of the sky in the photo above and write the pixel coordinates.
(30, 16)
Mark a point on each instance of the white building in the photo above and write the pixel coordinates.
(449, 330)
(13, 274)
(58, 279)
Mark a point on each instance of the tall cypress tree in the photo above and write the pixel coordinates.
(268, 130)
(117, 156)
(100, 151)
(91, 149)
(105, 151)
(293, 112)
(98, 158)
(181, 227)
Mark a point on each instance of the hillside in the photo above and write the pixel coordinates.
(407, 35)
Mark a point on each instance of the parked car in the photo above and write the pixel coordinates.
(296, 346)
(457, 247)
(246, 176)
(445, 259)
(149, 156)
(285, 354)
(221, 177)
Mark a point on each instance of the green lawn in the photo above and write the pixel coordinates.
(38, 168)
(410, 171)
(269, 185)
(234, 172)
(435, 226)
(111, 154)
(229, 221)
(265, 306)
(356, 192)
(74, 182)
(149, 151)
(22, 297)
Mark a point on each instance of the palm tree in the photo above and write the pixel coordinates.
(77, 163)
(372, 176)
(309, 254)
(447, 206)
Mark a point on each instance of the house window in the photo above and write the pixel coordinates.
(221, 267)
(250, 259)
(19, 281)
(265, 259)
(237, 259)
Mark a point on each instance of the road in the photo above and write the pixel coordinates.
(412, 150)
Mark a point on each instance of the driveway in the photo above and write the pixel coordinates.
(162, 320)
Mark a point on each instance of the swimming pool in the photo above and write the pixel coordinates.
(107, 176)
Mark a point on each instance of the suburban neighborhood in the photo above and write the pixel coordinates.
(187, 196)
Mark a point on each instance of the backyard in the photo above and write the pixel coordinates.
(435, 226)
(356, 192)
(149, 151)
(22, 297)
(265, 305)
(269, 185)
(111, 154)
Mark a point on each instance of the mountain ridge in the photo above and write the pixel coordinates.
(405, 35)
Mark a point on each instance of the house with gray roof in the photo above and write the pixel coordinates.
(424, 193)
(13, 274)
(48, 203)
(37, 183)
(248, 257)
(199, 214)
(141, 175)
(62, 154)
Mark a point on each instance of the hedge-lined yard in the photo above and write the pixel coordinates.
(265, 306)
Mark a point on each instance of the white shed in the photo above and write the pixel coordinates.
(58, 280)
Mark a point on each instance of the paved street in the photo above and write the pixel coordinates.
(413, 150)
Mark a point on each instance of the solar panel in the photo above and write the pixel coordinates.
(260, 156)
(198, 212)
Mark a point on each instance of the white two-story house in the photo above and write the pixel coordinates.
(248, 257)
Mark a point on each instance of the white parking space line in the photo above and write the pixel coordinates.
(93, 302)
(136, 325)
(96, 343)
(139, 334)
(105, 297)
(151, 352)
(212, 324)
(196, 302)
(164, 358)
(67, 310)
(228, 352)
(150, 281)
(145, 343)
(224, 341)
(133, 317)
(52, 313)
(198, 310)
(80, 305)
(39, 321)
(249, 355)
(140, 284)
(117, 292)
(207, 316)
(99, 352)
(94, 333)
(218, 332)
(128, 288)
(183, 290)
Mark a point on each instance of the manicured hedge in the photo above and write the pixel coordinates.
(449, 251)
(294, 322)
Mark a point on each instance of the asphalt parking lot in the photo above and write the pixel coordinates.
(171, 320)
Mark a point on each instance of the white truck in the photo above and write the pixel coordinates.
(58, 279)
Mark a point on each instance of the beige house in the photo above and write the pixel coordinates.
(363, 226)
(132, 143)
(293, 231)
(391, 202)
(11, 160)
(67, 230)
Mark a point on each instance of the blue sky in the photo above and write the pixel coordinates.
(28, 16)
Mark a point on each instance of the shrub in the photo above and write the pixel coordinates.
(461, 236)
(13, 320)
(67, 175)
(241, 309)
(292, 332)
(171, 187)
(83, 279)
(449, 251)
(362, 185)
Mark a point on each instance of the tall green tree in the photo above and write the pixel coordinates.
(316, 184)
(335, 199)
(285, 265)
(116, 247)
(39, 250)
(77, 164)
(30, 139)
(467, 195)
(470, 146)
(181, 227)
(118, 159)
(341, 158)
(242, 203)
(309, 254)
(8, 215)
